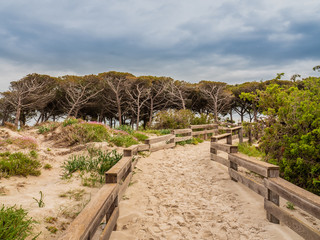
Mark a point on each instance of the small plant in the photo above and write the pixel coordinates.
(18, 164)
(40, 201)
(76, 194)
(33, 154)
(290, 206)
(47, 166)
(92, 167)
(141, 137)
(15, 223)
(69, 121)
(49, 149)
(252, 151)
(123, 140)
(52, 229)
(50, 220)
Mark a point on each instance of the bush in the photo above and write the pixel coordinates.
(48, 127)
(141, 137)
(249, 150)
(70, 121)
(123, 140)
(83, 133)
(15, 224)
(173, 119)
(18, 164)
(94, 164)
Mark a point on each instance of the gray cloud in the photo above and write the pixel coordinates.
(231, 41)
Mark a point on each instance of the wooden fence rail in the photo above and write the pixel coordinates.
(271, 188)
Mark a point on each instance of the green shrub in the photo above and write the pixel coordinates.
(49, 127)
(123, 140)
(18, 164)
(95, 164)
(249, 150)
(69, 121)
(193, 141)
(141, 137)
(157, 131)
(173, 119)
(15, 224)
(83, 133)
(126, 128)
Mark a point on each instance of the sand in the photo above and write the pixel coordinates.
(181, 194)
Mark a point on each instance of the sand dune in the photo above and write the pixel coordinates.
(181, 194)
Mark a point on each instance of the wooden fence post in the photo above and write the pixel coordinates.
(240, 134)
(229, 138)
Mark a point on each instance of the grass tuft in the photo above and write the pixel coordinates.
(15, 224)
(18, 164)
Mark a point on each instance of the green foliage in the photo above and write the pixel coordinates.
(49, 127)
(249, 150)
(94, 165)
(70, 121)
(179, 119)
(290, 205)
(126, 128)
(193, 141)
(52, 229)
(123, 140)
(202, 119)
(292, 136)
(141, 137)
(15, 224)
(84, 133)
(18, 164)
(47, 166)
(40, 201)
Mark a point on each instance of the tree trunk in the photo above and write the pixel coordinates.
(16, 121)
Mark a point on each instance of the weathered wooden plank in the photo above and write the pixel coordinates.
(197, 133)
(130, 151)
(180, 139)
(181, 131)
(224, 147)
(219, 137)
(118, 171)
(248, 182)
(105, 235)
(303, 199)
(86, 223)
(143, 147)
(159, 139)
(295, 224)
(165, 146)
(220, 160)
(252, 164)
(212, 131)
(204, 126)
(124, 186)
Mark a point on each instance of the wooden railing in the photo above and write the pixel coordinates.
(105, 203)
(207, 129)
(269, 185)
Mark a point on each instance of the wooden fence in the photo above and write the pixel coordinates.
(270, 186)
(105, 203)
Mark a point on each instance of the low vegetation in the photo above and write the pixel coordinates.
(92, 166)
(18, 164)
(249, 150)
(15, 224)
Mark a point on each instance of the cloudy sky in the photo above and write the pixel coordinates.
(222, 40)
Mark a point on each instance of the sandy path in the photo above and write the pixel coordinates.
(181, 194)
